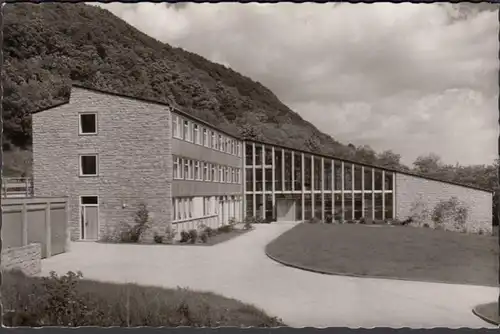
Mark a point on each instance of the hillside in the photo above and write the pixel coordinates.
(46, 46)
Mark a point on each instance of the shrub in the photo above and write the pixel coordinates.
(204, 237)
(225, 229)
(232, 221)
(314, 220)
(362, 220)
(184, 237)
(426, 225)
(450, 215)
(209, 231)
(254, 220)
(193, 236)
(170, 235)
(419, 212)
(329, 219)
(247, 225)
(158, 238)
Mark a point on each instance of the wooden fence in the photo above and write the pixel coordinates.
(17, 187)
(36, 220)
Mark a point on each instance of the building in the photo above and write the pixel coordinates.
(109, 153)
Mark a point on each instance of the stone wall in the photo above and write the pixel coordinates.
(133, 144)
(26, 258)
(417, 197)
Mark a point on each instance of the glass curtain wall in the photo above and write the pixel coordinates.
(302, 185)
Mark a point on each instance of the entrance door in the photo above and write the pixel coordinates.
(89, 209)
(285, 210)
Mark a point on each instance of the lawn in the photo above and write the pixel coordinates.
(488, 312)
(73, 301)
(402, 252)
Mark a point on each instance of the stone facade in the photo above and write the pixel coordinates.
(27, 258)
(417, 197)
(133, 143)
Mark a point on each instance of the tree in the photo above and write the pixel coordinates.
(427, 164)
(389, 159)
(365, 154)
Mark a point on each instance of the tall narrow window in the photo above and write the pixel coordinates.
(213, 141)
(220, 142)
(176, 168)
(196, 132)
(88, 165)
(186, 169)
(205, 171)
(88, 123)
(187, 133)
(214, 174)
(175, 129)
(197, 170)
(205, 137)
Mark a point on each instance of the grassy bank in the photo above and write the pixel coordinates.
(72, 301)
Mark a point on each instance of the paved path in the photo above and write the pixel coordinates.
(239, 269)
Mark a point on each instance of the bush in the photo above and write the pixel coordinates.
(225, 229)
(450, 215)
(329, 219)
(254, 220)
(362, 221)
(127, 233)
(71, 301)
(209, 231)
(204, 237)
(232, 221)
(426, 225)
(158, 238)
(314, 220)
(193, 236)
(184, 237)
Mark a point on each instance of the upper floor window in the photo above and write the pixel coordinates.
(177, 168)
(238, 149)
(221, 141)
(88, 123)
(175, 124)
(196, 134)
(205, 137)
(187, 133)
(215, 142)
(197, 170)
(88, 165)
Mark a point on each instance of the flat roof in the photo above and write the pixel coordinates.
(371, 166)
(183, 113)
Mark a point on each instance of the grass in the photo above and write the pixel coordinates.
(72, 301)
(488, 312)
(221, 237)
(410, 253)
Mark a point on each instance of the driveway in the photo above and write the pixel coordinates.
(239, 269)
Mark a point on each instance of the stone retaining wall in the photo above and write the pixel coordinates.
(26, 258)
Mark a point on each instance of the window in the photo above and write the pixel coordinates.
(89, 200)
(233, 176)
(88, 165)
(233, 147)
(196, 134)
(238, 153)
(174, 209)
(238, 176)
(190, 207)
(213, 142)
(175, 129)
(198, 170)
(216, 142)
(177, 168)
(220, 142)
(205, 138)
(228, 174)
(214, 173)
(186, 169)
(187, 133)
(228, 146)
(88, 124)
(205, 171)
(222, 172)
(191, 170)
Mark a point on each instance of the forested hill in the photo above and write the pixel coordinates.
(46, 46)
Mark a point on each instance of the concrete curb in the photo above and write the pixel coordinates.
(484, 317)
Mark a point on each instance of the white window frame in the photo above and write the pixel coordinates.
(80, 130)
(195, 130)
(80, 165)
(205, 171)
(238, 149)
(176, 168)
(187, 166)
(221, 174)
(190, 204)
(175, 126)
(214, 173)
(187, 132)
(234, 175)
(220, 141)
(198, 171)
(215, 141)
(205, 137)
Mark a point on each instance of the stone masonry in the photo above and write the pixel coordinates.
(419, 196)
(27, 258)
(133, 143)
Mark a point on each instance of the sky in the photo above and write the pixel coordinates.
(414, 78)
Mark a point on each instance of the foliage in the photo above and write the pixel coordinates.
(158, 238)
(232, 221)
(72, 301)
(254, 220)
(314, 220)
(141, 224)
(209, 231)
(193, 236)
(329, 219)
(225, 228)
(450, 214)
(419, 213)
(184, 237)
(204, 237)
